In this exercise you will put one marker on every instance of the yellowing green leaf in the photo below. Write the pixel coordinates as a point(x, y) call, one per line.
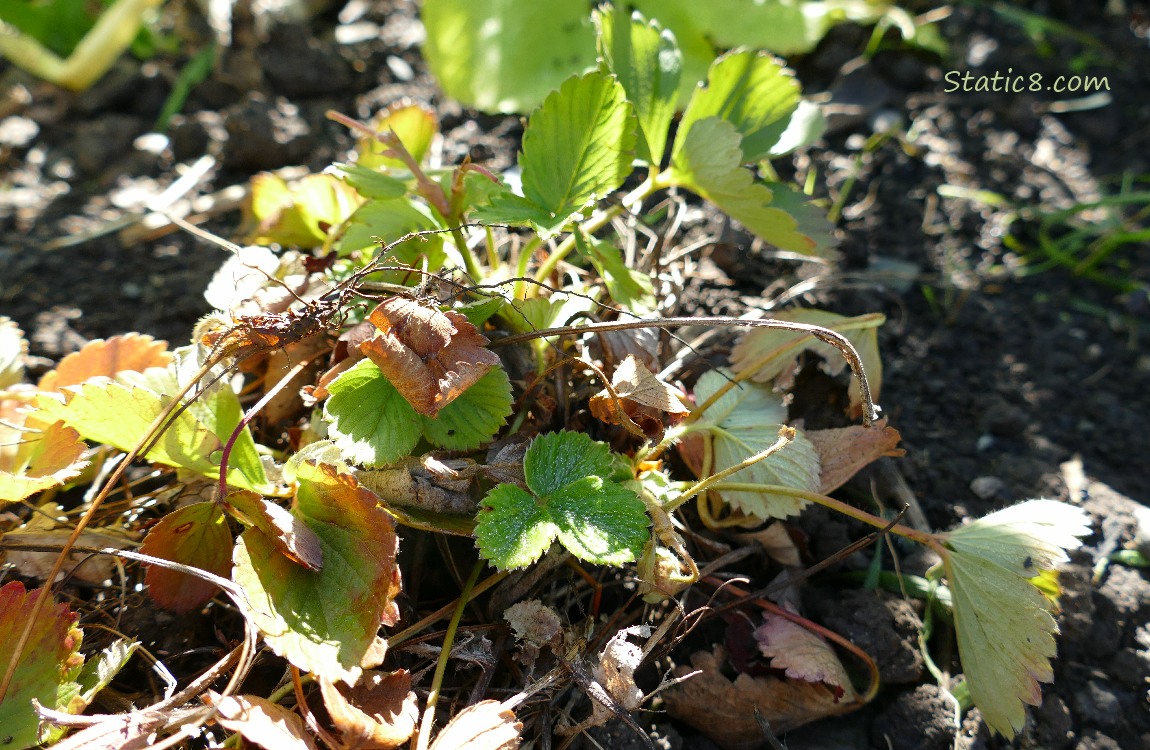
point(1003, 622)
point(708, 163)
point(646, 60)
point(298, 214)
point(745, 421)
point(570, 496)
point(505, 57)
point(415, 125)
point(48, 668)
point(43, 459)
point(770, 352)
point(325, 622)
point(753, 92)
point(13, 348)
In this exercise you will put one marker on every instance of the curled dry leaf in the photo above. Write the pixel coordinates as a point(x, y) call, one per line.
point(431, 357)
point(846, 450)
point(439, 486)
point(642, 399)
point(104, 358)
point(485, 726)
point(262, 722)
point(379, 713)
point(724, 709)
point(81, 567)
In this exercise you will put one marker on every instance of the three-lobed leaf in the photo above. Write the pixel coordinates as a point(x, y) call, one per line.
point(570, 495)
point(1003, 621)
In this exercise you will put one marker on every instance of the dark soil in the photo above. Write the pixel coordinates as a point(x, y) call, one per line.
point(997, 381)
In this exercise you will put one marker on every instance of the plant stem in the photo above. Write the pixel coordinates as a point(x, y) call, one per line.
point(786, 435)
point(444, 657)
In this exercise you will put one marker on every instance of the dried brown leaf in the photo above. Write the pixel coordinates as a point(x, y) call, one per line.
point(105, 358)
point(485, 726)
point(260, 721)
point(642, 398)
point(846, 450)
point(802, 654)
point(431, 357)
point(80, 566)
point(379, 713)
point(724, 710)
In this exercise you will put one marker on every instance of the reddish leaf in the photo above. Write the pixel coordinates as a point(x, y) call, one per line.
point(48, 667)
point(379, 713)
point(844, 451)
point(105, 358)
point(429, 356)
point(325, 622)
point(260, 721)
point(195, 535)
point(289, 533)
point(803, 655)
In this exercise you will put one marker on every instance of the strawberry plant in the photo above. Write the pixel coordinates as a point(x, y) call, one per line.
point(487, 374)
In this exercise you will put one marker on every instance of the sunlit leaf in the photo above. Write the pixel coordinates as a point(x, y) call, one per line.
point(101, 668)
point(43, 459)
point(743, 422)
point(373, 184)
point(196, 535)
point(48, 668)
point(802, 654)
point(297, 214)
point(629, 288)
point(414, 124)
point(708, 163)
point(502, 58)
point(325, 622)
point(571, 496)
point(771, 352)
point(646, 60)
point(843, 451)
point(475, 416)
point(105, 358)
point(1003, 622)
point(13, 348)
point(262, 722)
point(486, 725)
point(387, 221)
point(578, 147)
point(291, 535)
point(380, 712)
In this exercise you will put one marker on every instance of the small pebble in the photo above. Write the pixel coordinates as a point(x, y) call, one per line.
point(400, 68)
point(985, 442)
point(988, 488)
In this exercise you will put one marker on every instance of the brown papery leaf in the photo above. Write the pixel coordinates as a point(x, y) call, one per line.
point(260, 721)
point(803, 655)
point(485, 726)
point(100, 357)
point(431, 357)
point(642, 397)
point(846, 450)
point(379, 713)
point(724, 710)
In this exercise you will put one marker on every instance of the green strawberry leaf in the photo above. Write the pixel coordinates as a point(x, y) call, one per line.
point(414, 125)
point(48, 668)
point(743, 422)
point(1002, 619)
point(196, 535)
point(388, 220)
point(753, 92)
point(371, 183)
point(646, 60)
point(374, 425)
point(501, 58)
point(629, 288)
point(578, 147)
point(708, 163)
point(569, 496)
point(325, 622)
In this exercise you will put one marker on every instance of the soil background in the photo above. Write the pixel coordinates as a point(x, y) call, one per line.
point(997, 381)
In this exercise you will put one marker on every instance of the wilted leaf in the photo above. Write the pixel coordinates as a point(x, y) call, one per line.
point(572, 497)
point(485, 726)
point(430, 356)
point(48, 668)
point(196, 535)
point(289, 533)
point(325, 622)
point(240, 277)
point(13, 348)
point(643, 398)
point(578, 146)
point(845, 450)
point(1002, 620)
point(802, 654)
point(262, 722)
point(746, 421)
point(646, 60)
point(771, 352)
point(80, 567)
point(709, 161)
point(414, 124)
point(104, 358)
point(43, 459)
point(724, 710)
point(379, 713)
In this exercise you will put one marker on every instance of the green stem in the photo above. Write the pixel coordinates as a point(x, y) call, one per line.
point(444, 657)
point(469, 260)
point(786, 435)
